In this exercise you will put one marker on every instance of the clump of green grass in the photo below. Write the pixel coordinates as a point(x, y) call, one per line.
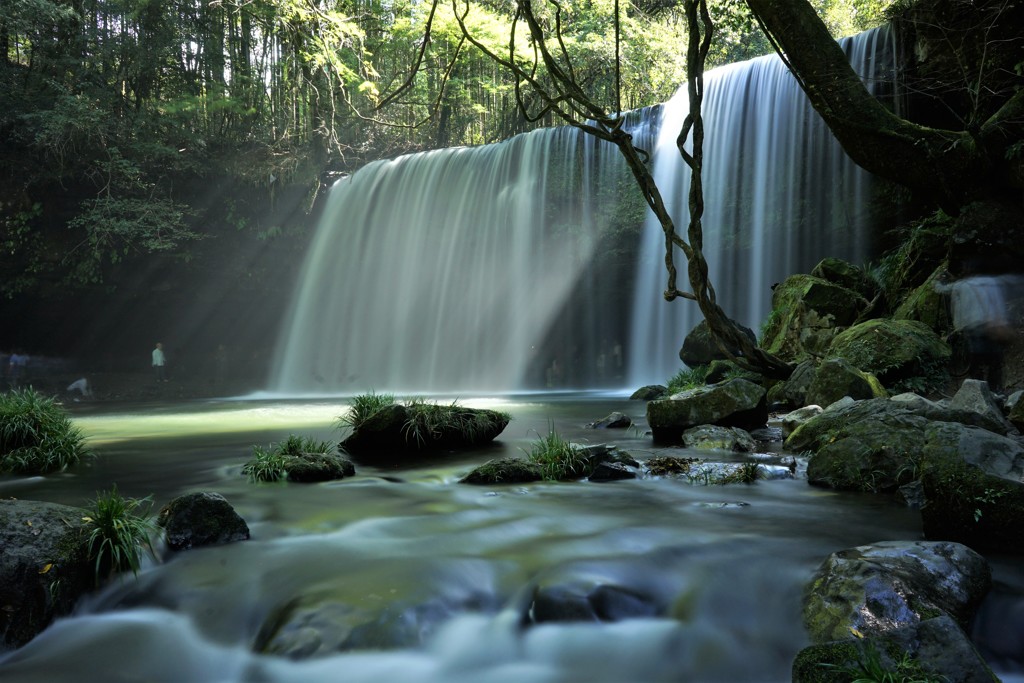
point(267, 464)
point(36, 434)
point(688, 378)
point(870, 669)
point(363, 407)
point(271, 463)
point(746, 473)
point(558, 459)
point(429, 422)
point(120, 532)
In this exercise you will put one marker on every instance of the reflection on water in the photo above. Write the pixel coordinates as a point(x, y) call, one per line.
point(408, 576)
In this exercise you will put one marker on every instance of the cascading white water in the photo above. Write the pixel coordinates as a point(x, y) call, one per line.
point(434, 272)
point(473, 270)
point(779, 195)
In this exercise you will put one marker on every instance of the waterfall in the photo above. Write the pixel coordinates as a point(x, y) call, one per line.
point(779, 194)
point(503, 267)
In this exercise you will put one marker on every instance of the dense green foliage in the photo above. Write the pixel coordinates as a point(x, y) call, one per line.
point(119, 532)
point(36, 434)
point(121, 107)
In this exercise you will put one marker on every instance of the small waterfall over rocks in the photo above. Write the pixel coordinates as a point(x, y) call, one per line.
point(527, 265)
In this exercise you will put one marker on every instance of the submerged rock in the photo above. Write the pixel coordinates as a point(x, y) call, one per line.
point(614, 420)
point(599, 603)
point(200, 519)
point(44, 566)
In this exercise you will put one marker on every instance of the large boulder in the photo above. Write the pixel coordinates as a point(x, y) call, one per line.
point(895, 351)
point(701, 348)
point(934, 649)
point(836, 378)
point(807, 312)
point(879, 587)
point(974, 396)
point(734, 403)
point(200, 519)
point(44, 566)
point(880, 445)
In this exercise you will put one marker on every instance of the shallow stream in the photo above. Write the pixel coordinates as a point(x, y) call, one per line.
point(406, 576)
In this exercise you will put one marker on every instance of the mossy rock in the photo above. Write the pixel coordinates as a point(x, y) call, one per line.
point(927, 305)
point(966, 505)
point(879, 445)
point(734, 403)
point(836, 378)
point(44, 566)
point(895, 351)
point(504, 471)
point(882, 586)
point(845, 274)
point(315, 467)
point(806, 312)
point(936, 649)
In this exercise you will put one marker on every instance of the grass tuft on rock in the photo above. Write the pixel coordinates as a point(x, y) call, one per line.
point(271, 463)
point(36, 435)
point(558, 459)
point(363, 407)
point(120, 532)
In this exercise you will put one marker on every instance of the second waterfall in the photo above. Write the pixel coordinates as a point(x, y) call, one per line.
point(513, 266)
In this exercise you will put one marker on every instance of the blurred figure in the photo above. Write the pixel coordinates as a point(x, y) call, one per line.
point(978, 305)
point(159, 363)
point(17, 367)
point(81, 385)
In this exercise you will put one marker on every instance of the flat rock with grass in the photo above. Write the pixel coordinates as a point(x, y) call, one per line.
point(504, 471)
point(395, 428)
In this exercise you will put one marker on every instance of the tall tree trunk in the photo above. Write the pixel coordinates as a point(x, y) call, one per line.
point(951, 167)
